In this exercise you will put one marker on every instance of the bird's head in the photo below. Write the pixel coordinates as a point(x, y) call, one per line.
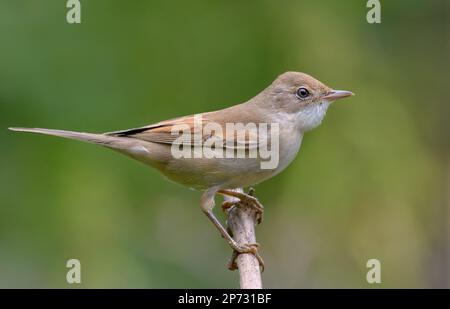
point(303, 98)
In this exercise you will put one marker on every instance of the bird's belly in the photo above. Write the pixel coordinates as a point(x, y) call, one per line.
point(201, 173)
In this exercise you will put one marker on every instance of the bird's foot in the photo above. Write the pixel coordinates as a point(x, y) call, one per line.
point(241, 249)
point(252, 202)
point(227, 205)
point(245, 198)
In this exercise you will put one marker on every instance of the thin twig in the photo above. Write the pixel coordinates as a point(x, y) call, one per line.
point(241, 222)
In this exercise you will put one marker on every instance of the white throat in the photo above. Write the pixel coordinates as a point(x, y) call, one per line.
point(311, 116)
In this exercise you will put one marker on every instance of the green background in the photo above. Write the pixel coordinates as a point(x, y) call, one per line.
point(373, 181)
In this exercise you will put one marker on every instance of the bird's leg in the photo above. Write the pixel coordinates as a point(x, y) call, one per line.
point(227, 207)
point(207, 204)
point(247, 199)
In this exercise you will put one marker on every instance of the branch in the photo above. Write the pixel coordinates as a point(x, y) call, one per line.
point(241, 222)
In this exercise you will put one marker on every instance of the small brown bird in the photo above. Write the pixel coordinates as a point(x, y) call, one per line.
point(293, 104)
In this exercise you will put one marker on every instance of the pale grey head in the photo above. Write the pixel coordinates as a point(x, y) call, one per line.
point(301, 98)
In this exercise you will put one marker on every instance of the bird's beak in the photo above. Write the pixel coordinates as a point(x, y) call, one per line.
point(334, 95)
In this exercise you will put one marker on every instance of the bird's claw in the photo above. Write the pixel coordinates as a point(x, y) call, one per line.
point(247, 248)
point(251, 191)
point(250, 201)
point(227, 205)
point(253, 202)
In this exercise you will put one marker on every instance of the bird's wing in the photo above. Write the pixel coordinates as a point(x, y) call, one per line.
point(174, 131)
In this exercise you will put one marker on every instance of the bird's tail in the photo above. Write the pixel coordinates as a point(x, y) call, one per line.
point(99, 139)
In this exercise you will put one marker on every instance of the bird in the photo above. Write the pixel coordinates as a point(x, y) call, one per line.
point(294, 103)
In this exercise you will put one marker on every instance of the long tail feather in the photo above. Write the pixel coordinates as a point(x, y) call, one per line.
point(108, 141)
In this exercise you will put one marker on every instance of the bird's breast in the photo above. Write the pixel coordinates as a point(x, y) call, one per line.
point(290, 142)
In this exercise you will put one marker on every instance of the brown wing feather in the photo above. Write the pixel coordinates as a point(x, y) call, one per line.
point(160, 132)
point(165, 132)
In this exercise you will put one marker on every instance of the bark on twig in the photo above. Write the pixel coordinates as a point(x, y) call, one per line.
point(241, 222)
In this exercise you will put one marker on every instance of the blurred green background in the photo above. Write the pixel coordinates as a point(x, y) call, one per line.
point(372, 182)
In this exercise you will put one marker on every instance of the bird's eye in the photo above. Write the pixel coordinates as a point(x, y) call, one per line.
point(302, 93)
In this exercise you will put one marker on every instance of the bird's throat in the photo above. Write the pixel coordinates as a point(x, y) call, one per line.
point(311, 116)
